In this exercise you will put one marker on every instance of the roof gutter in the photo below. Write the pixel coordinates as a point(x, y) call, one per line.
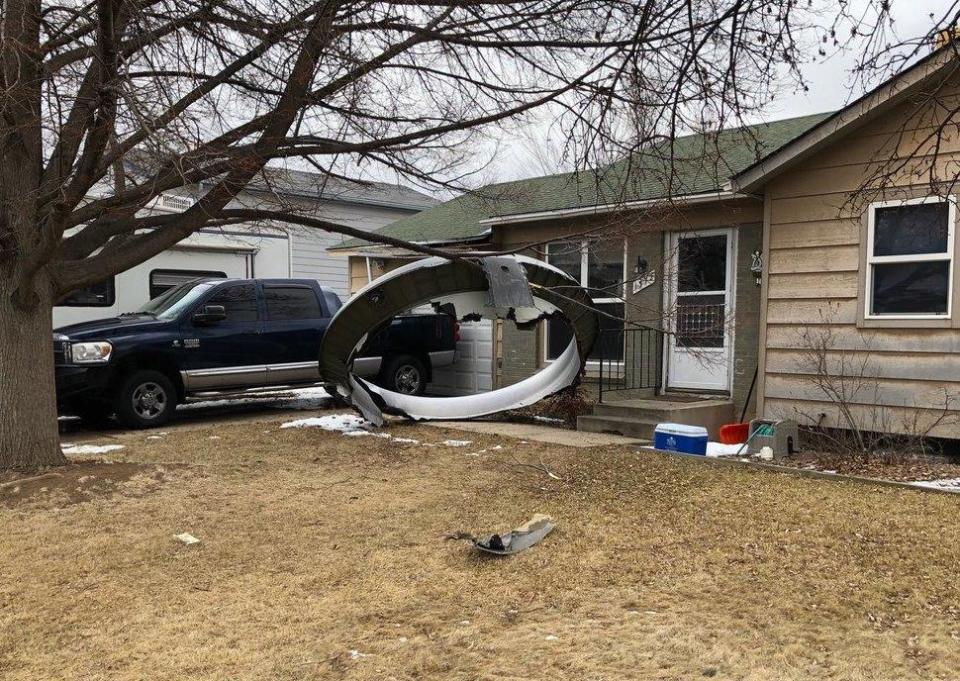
point(360, 249)
point(685, 200)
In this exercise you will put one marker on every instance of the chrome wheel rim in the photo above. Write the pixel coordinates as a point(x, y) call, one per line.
point(407, 379)
point(149, 400)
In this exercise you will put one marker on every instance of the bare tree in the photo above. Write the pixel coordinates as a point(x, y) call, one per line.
point(107, 105)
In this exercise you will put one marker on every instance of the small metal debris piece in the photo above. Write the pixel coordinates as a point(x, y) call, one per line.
point(514, 541)
point(186, 538)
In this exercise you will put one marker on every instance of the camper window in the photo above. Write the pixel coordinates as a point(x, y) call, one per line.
point(910, 259)
point(102, 294)
point(162, 281)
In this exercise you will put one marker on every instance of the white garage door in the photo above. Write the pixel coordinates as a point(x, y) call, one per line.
point(473, 370)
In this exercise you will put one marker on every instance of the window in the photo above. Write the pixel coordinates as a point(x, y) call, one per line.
point(701, 296)
point(599, 266)
point(910, 259)
point(162, 281)
point(103, 294)
point(286, 303)
point(239, 302)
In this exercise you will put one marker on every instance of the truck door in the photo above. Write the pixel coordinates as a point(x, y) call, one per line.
point(294, 325)
point(228, 353)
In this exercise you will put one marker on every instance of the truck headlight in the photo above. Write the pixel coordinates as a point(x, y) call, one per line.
point(97, 352)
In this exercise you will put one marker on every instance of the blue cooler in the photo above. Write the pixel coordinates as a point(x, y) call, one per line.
point(677, 437)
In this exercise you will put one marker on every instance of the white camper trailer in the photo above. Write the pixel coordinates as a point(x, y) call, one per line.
point(252, 250)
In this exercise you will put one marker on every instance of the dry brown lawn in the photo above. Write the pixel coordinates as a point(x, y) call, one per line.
point(322, 556)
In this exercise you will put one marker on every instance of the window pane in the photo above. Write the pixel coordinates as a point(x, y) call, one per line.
point(608, 346)
point(911, 229)
point(566, 256)
point(291, 302)
point(702, 263)
point(96, 295)
point(701, 321)
point(605, 268)
point(239, 302)
point(559, 334)
point(911, 288)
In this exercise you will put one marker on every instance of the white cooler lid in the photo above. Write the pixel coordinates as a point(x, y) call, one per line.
point(681, 429)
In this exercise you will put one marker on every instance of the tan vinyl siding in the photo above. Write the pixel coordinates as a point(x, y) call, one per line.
point(815, 258)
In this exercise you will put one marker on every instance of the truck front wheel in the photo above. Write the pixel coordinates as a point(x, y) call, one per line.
point(146, 399)
point(405, 374)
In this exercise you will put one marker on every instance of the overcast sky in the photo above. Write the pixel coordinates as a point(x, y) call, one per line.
point(830, 84)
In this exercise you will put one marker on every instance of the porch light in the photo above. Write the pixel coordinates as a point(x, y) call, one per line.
point(756, 264)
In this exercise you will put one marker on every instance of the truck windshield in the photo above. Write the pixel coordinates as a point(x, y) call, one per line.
point(169, 304)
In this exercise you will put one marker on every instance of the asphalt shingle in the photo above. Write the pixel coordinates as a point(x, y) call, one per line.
point(695, 164)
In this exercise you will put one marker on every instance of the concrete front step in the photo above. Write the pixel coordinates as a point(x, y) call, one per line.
point(638, 418)
point(618, 425)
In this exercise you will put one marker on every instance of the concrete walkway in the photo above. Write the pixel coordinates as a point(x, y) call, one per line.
point(534, 433)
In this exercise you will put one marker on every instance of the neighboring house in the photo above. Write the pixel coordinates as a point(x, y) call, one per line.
point(274, 250)
point(852, 321)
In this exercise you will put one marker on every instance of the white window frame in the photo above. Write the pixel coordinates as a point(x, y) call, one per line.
point(592, 364)
point(872, 259)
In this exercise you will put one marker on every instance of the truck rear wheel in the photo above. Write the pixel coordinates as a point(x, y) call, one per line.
point(405, 374)
point(146, 399)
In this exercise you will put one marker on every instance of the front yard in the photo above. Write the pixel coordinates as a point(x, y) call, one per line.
point(323, 556)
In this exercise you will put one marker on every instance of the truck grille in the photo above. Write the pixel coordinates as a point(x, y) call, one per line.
point(61, 350)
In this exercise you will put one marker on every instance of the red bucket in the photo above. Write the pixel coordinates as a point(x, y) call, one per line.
point(734, 433)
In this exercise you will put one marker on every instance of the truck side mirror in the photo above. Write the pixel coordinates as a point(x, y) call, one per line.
point(211, 314)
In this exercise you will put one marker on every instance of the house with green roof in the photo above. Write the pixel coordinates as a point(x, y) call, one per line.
point(803, 268)
point(619, 231)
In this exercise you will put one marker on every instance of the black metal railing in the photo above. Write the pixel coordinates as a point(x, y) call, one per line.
point(628, 359)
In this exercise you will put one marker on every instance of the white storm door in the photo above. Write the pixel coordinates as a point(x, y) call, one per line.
point(700, 299)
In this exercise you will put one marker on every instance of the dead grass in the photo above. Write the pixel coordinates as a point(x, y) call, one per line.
point(315, 545)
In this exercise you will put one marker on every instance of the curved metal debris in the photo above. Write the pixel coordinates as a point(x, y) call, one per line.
point(480, 288)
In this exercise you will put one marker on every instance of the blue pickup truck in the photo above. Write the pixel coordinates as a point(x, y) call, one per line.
point(216, 335)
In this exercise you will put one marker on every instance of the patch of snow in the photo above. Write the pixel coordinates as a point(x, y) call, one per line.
point(948, 484)
point(457, 443)
point(350, 425)
point(497, 447)
point(154, 437)
point(718, 449)
point(342, 423)
point(357, 655)
point(81, 450)
point(548, 419)
point(362, 433)
point(214, 437)
point(551, 637)
point(406, 440)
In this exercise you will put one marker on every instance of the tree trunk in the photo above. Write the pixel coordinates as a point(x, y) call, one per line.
point(29, 437)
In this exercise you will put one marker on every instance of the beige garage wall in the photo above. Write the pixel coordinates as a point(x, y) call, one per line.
point(896, 373)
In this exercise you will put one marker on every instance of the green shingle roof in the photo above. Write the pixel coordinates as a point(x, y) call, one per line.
point(696, 164)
